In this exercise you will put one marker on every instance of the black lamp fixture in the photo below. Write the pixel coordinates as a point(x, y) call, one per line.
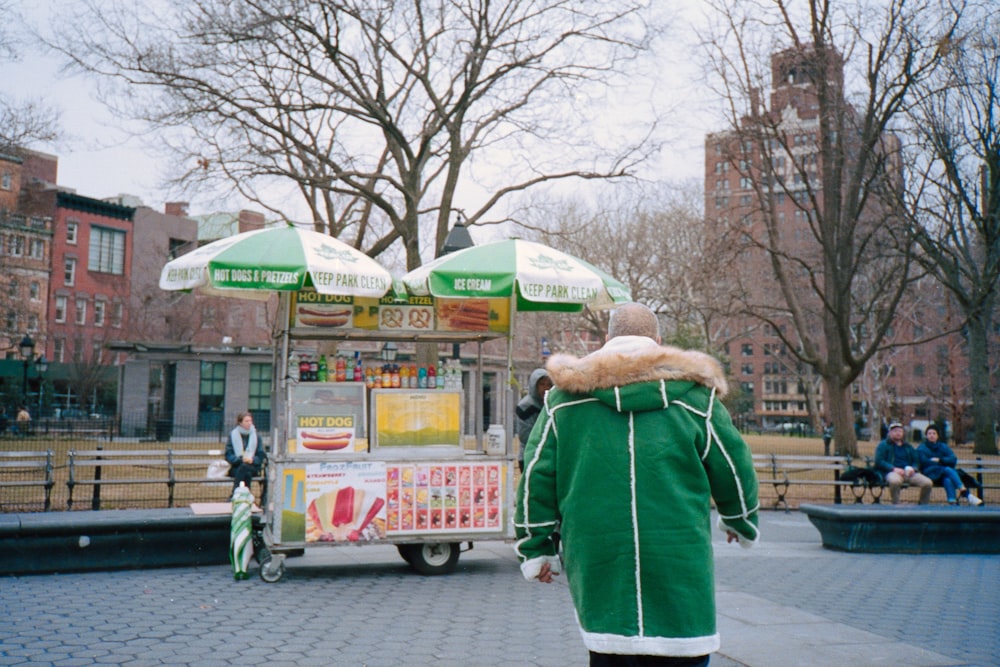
point(27, 349)
point(389, 351)
point(458, 238)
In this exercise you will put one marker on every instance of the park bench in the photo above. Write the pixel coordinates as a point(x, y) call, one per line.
point(26, 470)
point(986, 474)
point(784, 470)
point(169, 467)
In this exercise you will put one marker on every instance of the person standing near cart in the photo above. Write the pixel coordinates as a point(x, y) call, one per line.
point(244, 451)
point(630, 447)
point(528, 408)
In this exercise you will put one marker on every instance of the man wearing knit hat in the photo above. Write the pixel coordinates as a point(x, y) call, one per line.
point(898, 462)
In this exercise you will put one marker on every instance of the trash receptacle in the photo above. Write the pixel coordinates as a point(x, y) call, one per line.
point(164, 427)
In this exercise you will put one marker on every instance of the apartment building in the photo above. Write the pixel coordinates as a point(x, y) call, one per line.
point(766, 185)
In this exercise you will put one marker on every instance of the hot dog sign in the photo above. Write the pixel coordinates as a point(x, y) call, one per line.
point(324, 433)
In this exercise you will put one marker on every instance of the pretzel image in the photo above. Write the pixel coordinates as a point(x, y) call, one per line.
point(392, 318)
point(419, 319)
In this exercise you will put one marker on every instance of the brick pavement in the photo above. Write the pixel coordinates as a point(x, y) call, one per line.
point(786, 602)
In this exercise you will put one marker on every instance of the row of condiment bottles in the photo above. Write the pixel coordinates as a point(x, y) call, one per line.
point(447, 374)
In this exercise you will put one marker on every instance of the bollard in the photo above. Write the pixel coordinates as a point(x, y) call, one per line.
point(95, 498)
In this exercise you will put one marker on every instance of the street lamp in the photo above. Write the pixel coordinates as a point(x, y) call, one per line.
point(27, 348)
point(457, 239)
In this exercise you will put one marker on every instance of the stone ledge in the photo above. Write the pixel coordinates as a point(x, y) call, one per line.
point(916, 529)
point(111, 539)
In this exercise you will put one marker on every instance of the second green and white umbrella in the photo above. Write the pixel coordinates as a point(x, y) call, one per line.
point(542, 277)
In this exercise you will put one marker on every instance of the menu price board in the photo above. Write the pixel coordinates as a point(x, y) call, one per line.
point(444, 497)
point(311, 310)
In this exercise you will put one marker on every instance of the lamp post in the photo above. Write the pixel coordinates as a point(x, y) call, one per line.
point(458, 238)
point(41, 366)
point(27, 349)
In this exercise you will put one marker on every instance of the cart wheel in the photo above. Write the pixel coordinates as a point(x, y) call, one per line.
point(272, 568)
point(434, 557)
point(406, 551)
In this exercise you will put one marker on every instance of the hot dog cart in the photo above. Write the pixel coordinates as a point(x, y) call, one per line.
point(357, 461)
point(354, 462)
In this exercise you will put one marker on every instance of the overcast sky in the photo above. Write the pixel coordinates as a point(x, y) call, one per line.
point(98, 159)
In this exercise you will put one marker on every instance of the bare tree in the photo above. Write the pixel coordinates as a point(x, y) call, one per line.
point(374, 110)
point(840, 76)
point(958, 216)
point(23, 122)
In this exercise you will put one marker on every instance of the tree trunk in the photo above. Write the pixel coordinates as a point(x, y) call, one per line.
point(844, 439)
point(979, 372)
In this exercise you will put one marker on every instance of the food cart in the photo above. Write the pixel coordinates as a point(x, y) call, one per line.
point(355, 461)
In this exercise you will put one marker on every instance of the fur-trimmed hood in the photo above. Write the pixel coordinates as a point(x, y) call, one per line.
point(629, 360)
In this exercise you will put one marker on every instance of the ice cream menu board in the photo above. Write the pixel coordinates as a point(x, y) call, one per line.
point(443, 497)
point(345, 501)
point(327, 417)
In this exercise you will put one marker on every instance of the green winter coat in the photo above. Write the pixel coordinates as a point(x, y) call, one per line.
point(624, 460)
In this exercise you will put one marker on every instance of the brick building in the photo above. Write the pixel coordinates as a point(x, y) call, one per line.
point(767, 184)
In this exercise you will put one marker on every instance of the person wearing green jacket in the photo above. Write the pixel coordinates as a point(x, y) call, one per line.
point(631, 447)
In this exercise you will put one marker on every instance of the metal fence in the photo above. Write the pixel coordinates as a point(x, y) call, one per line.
point(36, 475)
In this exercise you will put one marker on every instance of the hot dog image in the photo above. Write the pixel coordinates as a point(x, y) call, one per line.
point(320, 315)
point(466, 315)
point(325, 442)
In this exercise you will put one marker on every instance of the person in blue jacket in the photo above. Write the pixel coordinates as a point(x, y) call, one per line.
point(898, 462)
point(937, 462)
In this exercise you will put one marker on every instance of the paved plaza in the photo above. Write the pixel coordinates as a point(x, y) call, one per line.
point(788, 601)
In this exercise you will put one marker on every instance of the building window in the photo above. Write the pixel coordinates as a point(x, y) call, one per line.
point(99, 310)
point(60, 309)
point(37, 249)
point(212, 389)
point(69, 272)
point(71, 229)
point(6, 181)
point(747, 369)
point(259, 402)
point(12, 320)
point(36, 291)
point(747, 349)
point(117, 310)
point(32, 322)
point(58, 350)
point(176, 246)
point(107, 251)
point(12, 288)
point(81, 310)
point(77, 350)
point(16, 245)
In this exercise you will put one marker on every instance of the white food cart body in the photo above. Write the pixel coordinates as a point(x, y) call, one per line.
point(352, 465)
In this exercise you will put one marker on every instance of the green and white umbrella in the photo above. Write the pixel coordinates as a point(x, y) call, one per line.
point(541, 277)
point(254, 264)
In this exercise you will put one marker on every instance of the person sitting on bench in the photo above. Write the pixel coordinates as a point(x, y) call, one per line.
point(937, 462)
point(897, 462)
